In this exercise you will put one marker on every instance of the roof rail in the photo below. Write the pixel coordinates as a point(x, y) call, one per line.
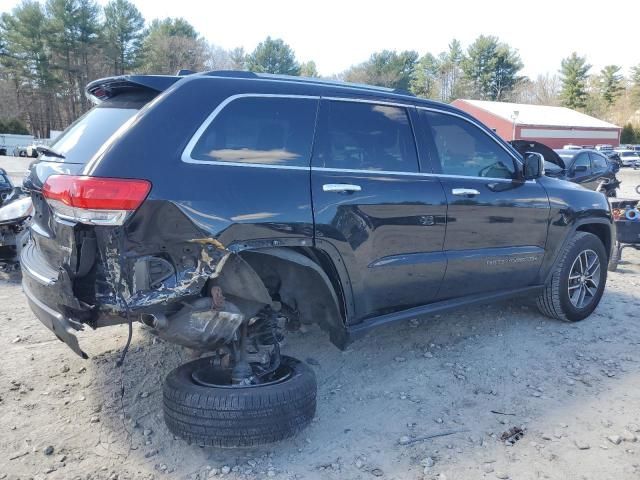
point(308, 80)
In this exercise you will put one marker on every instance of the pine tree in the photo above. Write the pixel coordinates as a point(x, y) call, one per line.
point(273, 56)
point(122, 35)
point(611, 83)
point(635, 86)
point(574, 74)
point(491, 68)
point(628, 134)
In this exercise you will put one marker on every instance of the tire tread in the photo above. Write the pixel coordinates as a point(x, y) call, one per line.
point(220, 417)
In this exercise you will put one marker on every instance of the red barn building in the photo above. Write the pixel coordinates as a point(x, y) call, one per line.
point(553, 126)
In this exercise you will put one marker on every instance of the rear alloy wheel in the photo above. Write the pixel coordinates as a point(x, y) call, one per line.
point(204, 406)
point(577, 282)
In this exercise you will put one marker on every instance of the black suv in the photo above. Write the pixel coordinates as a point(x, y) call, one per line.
point(222, 209)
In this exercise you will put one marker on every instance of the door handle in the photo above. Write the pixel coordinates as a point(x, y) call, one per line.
point(340, 187)
point(465, 191)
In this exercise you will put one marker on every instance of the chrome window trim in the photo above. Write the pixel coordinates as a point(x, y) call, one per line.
point(186, 154)
point(188, 150)
point(369, 100)
point(411, 174)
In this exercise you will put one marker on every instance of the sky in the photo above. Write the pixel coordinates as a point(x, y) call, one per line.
point(337, 34)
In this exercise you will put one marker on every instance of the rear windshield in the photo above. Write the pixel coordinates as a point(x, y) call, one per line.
point(82, 139)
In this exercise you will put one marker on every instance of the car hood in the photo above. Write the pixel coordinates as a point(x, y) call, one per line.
point(523, 146)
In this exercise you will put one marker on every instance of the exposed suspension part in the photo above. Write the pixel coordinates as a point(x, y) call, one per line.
point(256, 351)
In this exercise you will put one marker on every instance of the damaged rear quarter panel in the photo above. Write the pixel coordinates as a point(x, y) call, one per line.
point(195, 214)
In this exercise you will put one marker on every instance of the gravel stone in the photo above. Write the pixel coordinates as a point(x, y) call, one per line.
point(582, 445)
point(615, 439)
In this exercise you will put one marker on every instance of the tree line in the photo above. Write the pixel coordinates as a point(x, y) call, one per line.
point(50, 50)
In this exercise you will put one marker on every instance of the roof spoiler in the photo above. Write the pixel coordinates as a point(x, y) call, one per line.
point(105, 88)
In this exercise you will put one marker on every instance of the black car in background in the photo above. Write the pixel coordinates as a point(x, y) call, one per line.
point(613, 157)
point(6, 186)
point(223, 209)
point(590, 168)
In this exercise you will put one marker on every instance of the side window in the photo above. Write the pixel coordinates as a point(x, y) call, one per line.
point(261, 130)
point(582, 160)
point(598, 162)
point(365, 136)
point(464, 149)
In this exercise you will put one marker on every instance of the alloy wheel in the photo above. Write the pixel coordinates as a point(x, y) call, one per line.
point(584, 278)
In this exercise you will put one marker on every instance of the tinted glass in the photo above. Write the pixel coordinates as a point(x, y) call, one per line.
point(4, 181)
point(598, 162)
point(262, 130)
point(365, 136)
point(464, 149)
point(582, 160)
point(84, 137)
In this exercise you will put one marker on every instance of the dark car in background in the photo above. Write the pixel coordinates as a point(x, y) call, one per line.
point(589, 168)
point(613, 157)
point(6, 187)
point(222, 209)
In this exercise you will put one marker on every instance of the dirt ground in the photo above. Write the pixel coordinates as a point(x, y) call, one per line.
point(472, 374)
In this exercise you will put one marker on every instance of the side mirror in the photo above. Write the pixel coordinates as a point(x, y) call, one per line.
point(579, 169)
point(533, 165)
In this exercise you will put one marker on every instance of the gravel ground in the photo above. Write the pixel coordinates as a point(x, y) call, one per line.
point(472, 374)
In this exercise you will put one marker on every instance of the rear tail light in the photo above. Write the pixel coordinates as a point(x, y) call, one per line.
point(94, 200)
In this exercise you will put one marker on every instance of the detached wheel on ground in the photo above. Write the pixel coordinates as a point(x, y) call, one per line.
point(577, 283)
point(203, 407)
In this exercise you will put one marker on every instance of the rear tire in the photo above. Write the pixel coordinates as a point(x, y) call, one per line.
point(555, 300)
point(236, 416)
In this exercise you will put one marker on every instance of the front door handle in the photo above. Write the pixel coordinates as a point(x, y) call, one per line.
point(465, 192)
point(340, 187)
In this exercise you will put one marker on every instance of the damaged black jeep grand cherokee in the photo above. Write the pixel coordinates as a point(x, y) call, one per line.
point(221, 209)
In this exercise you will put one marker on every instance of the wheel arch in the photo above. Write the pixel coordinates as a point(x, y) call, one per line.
point(602, 231)
point(304, 279)
point(600, 227)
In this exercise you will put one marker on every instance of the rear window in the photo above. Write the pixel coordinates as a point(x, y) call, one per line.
point(85, 136)
point(260, 130)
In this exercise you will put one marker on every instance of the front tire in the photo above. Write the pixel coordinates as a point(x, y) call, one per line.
point(239, 416)
point(578, 280)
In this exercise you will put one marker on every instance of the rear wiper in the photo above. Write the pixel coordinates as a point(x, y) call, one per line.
point(48, 152)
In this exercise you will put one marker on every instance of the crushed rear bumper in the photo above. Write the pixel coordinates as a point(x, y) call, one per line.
point(42, 287)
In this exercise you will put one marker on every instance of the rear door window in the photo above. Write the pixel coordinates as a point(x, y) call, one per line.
point(260, 130)
point(465, 150)
point(365, 136)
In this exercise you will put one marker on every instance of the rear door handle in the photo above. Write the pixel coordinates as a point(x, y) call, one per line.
point(463, 192)
point(340, 187)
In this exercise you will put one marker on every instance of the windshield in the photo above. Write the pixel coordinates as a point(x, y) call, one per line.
point(628, 154)
point(4, 181)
